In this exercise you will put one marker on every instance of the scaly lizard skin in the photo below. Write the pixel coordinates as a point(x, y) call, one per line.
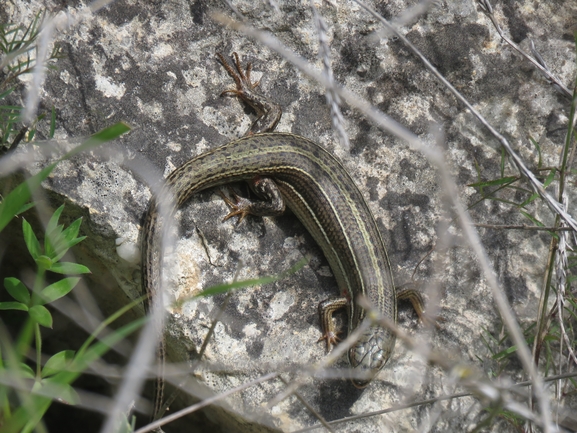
point(286, 169)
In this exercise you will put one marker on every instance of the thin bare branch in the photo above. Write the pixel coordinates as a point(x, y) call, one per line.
point(538, 61)
point(333, 100)
point(204, 403)
point(537, 186)
point(522, 227)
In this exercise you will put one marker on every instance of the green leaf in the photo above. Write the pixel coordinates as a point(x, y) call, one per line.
point(95, 351)
point(13, 306)
point(25, 207)
point(53, 222)
point(62, 392)
point(65, 246)
point(17, 290)
point(223, 288)
point(39, 405)
point(7, 92)
point(11, 108)
point(58, 362)
point(51, 237)
point(14, 201)
point(532, 218)
point(536, 144)
point(26, 371)
point(44, 262)
point(69, 268)
point(505, 353)
point(529, 200)
point(58, 241)
point(495, 182)
point(107, 134)
point(53, 233)
point(72, 230)
point(41, 315)
point(503, 160)
point(31, 240)
point(549, 179)
point(58, 289)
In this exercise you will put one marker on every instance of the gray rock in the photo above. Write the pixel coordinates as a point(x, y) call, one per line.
point(153, 66)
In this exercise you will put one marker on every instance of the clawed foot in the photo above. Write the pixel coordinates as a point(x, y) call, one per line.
point(332, 338)
point(239, 207)
point(240, 77)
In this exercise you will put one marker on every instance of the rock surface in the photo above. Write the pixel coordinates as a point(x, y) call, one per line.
point(153, 66)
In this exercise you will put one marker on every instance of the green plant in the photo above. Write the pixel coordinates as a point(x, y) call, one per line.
point(29, 384)
point(552, 334)
point(37, 388)
point(57, 241)
point(16, 201)
point(18, 46)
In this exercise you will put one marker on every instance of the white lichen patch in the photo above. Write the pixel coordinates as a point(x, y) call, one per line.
point(66, 77)
point(412, 107)
point(174, 146)
point(502, 114)
point(162, 51)
point(286, 121)
point(229, 127)
point(184, 277)
point(151, 109)
point(108, 87)
point(225, 344)
point(118, 40)
point(194, 77)
point(480, 68)
point(202, 146)
point(291, 243)
point(244, 298)
point(168, 167)
point(251, 331)
point(281, 303)
point(283, 342)
point(243, 244)
point(190, 101)
point(100, 182)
